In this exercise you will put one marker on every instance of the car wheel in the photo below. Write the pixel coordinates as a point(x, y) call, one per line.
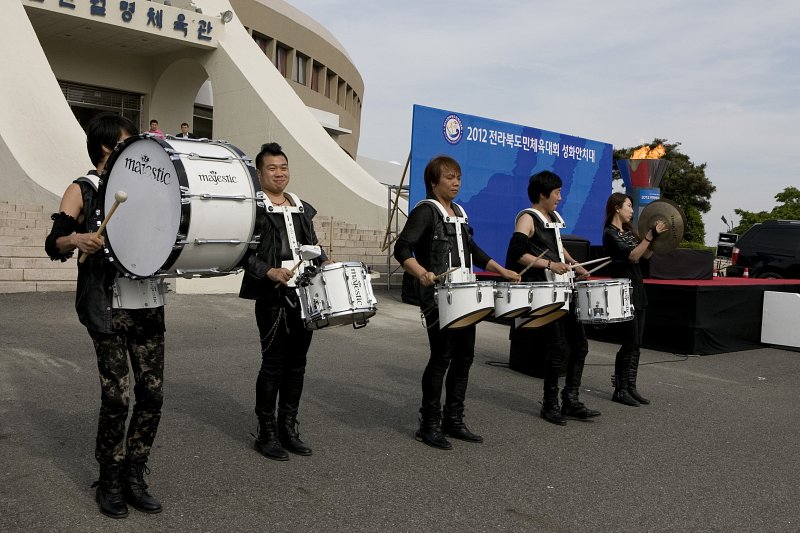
point(769, 275)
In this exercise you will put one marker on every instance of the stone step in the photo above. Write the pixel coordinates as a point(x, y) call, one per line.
point(44, 223)
point(36, 262)
point(22, 251)
point(36, 286)
point(7, 207)
point(21, 240)
point(33, 233)
point(48, 274)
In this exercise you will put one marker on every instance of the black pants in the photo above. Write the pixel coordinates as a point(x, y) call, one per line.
point(284, 345)
point(138, 334)
point(629, 351)
point(452, 351)
point(566, 340)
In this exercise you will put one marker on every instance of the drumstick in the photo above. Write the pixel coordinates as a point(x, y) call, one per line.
point(119, 198)
point(576, 265)
point(599, 267)
point(295, 267)
point(521, 272)
point(444, 274)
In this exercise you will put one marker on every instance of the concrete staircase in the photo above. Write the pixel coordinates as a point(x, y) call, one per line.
point(24, 267)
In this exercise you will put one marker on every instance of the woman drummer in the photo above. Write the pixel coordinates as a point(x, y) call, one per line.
point(427, 247)
point(625, 248)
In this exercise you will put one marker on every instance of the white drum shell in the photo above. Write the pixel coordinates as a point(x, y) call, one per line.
point(464, 304)
point(137, 293)
point(191, 206)
point(603, 301)
point(339, 294)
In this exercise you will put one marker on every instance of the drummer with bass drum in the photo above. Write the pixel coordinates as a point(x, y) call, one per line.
point(537, 230)
point(428, 247)
point(271, 273)
point(125, 319)
point(623, 244)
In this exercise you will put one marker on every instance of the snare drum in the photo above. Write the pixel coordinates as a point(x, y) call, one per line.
point(464, 304)
point(191, 208)
point(603, 301)
point(337, 295)
point(514, 300)
point(532, 321)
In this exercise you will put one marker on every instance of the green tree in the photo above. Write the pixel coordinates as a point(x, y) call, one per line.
point(789, 209)
point(685, 183)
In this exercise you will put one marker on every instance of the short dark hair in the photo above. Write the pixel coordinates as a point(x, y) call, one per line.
point(184, 124)
point(543, 182)
point(434, 170)
point(104, 129)
point(153, 120)
point(273, 149)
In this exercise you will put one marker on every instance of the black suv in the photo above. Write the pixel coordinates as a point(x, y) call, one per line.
point(770, 249)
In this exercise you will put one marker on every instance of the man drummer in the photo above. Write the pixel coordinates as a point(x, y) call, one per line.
point(271, 272)
point(427, 247)
point(536, 230)
point(119, 329)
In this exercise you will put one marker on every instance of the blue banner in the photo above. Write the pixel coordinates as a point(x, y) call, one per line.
point(497, 159)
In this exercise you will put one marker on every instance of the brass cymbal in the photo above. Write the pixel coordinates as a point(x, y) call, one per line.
point(669, 212)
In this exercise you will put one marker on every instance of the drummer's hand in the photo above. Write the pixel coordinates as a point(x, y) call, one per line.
point(87, 242)
point(428, 279)
point(510, 275)
point(559, 268)
point(280, 275)
point(581, 273)
point(660, 228)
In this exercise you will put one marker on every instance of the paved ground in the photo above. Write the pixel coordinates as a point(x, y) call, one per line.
point(716, 451)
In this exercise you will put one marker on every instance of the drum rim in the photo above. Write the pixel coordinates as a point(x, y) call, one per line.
point(461, 317)
point(183, 223)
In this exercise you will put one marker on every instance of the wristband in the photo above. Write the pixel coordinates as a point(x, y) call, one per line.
point(648, 240)
point(548, 265)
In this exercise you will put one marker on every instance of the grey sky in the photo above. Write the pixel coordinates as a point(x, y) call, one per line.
point(721, 78)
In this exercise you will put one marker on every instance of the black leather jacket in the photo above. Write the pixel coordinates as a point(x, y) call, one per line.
point(267, 255)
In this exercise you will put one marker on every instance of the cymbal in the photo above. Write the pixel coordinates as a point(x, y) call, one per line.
point(669, 212)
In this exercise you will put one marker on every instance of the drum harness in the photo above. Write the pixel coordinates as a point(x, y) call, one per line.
point(287, 211)
point(462, 274)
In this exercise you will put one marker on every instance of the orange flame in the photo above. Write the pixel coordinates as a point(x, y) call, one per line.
point(645, 152)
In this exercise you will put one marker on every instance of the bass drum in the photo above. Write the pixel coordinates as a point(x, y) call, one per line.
point(191, 210)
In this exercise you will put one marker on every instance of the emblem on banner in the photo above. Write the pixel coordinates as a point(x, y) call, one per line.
point(453, 129)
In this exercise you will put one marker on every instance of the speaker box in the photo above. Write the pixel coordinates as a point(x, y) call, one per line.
point(577, 246)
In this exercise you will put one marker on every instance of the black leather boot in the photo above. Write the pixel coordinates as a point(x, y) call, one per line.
point(267, 440)
point(453, 426)
point(430, 432)
point(571, 407)
point(109, 492)
point(550, 411)
point(289, 436)
point(134, 489)
point(632, 373)
point(621, 394)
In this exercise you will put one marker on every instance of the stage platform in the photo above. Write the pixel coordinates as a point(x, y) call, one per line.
point(703, 317)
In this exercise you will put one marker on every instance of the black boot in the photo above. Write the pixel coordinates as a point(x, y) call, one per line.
point(109, 492)
point(430, 432)
point(289, 436)
point(550, 411)
point(134, 489)
point(453, 426)
point(267, 440)
point(621, 394)
point(573, 408)
point(632, 373)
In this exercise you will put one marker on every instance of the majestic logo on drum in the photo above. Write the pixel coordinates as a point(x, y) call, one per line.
point(143, 168)
point(453, 129)
point(357, 288)
point(215, 178)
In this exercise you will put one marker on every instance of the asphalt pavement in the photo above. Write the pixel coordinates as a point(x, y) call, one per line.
point(716, 450)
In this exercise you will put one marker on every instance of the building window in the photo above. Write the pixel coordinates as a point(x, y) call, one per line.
point(262, 41)
point(281, 55)
point(330, 86)
point(317, 71)
point(299, 73)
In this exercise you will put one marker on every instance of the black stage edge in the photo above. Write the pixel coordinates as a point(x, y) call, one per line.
point(702, 317)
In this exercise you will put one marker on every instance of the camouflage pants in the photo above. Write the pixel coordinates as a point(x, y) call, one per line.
point(138, 333)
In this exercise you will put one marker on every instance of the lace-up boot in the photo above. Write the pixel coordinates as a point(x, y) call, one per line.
point(453, 426)
point(109, 492)
point(267, 440)
point(289, 435)
point(430, 432)
point(134, 489)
